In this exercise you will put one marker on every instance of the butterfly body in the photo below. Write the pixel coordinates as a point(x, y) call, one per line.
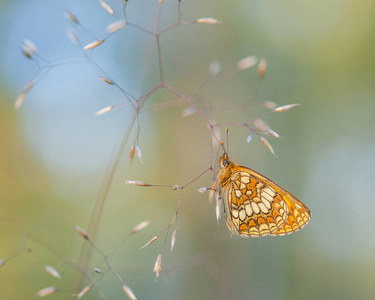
point(255, 205)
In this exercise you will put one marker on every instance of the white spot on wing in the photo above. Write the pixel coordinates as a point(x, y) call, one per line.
point(255, 207)
point(248, 209)
point(263, 227)
point(263, 208)
point(267, 196)
point(267, 203)
point(245, 177)
point(270, 191)
point(242, 214)
point(235, 213)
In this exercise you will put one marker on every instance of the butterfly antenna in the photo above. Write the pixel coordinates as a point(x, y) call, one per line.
point(222, 145)
point(226, 132)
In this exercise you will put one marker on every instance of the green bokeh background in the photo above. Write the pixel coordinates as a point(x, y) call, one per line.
point(55, 152)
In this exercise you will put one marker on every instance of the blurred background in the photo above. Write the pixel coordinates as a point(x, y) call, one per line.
point(55, 153)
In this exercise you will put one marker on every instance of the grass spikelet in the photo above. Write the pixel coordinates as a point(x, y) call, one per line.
point(273, 133)
point(247, 63)
point(262, 68)
point(284, 108)
point(215, 67)
point(202, 190)
point(137, 183)
point(71, 17)
point(249, 138)
point(20, 99)
point(211, 195)
point(127, 290)
point(72, 36)
point(104, 110)
point(131, 155)
point(82, 233)
point(107, 8)
point(269, 104)
point(116, 26)
point(173, 239)
point(30, 47)
point(2, 262)
point(268, 145)
point(47, 291)
point(150, 241)
point(157, 267)
point(84, 291)
point(139, 152)
point(189, 111)
point(140, 226)
point(206, 21)
point(261, 125)
point(106, 80)
point(26, 53)
point(52, 271)
point(93, 44)
point(218, 209)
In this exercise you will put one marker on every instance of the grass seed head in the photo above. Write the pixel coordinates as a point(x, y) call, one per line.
point(47, 291)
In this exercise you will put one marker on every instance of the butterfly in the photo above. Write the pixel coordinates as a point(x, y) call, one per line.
point(255, 205)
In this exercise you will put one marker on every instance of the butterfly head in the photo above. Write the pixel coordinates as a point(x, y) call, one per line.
point(224, 161)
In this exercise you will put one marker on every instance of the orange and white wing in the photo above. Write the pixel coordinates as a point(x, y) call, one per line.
point(256, 206)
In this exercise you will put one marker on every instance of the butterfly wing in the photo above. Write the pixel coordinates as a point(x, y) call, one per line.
point(257, 206)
